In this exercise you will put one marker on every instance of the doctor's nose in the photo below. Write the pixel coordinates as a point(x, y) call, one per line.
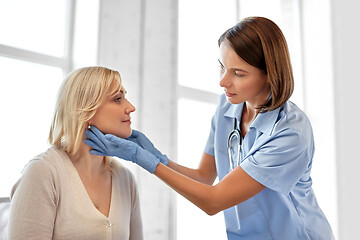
point(224, 80)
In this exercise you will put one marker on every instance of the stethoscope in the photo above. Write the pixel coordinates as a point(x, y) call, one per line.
point(234, 140)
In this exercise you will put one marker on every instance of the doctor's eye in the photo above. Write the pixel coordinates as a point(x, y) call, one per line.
point(239, 74)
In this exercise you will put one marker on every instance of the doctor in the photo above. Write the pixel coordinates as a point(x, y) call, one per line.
point(260, 145)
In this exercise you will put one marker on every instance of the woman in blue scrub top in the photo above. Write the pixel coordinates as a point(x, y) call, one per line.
point(260, 145)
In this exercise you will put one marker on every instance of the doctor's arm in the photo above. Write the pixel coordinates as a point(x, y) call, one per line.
point(212, 199)
point(205, 173)
point(279, 164)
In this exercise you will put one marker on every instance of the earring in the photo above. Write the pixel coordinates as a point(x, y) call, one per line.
point(89, 126)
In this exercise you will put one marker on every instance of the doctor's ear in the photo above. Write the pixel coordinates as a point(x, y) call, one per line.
point(267, 79)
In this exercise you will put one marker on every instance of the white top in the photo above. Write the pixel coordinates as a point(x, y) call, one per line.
point(50, 202)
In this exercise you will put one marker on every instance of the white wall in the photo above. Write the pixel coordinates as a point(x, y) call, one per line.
point(346, 52)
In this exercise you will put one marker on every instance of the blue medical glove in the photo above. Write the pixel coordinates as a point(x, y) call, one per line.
point(140, 139)
point(110, 145)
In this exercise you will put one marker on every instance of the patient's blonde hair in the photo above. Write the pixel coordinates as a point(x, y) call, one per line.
point(82, 92)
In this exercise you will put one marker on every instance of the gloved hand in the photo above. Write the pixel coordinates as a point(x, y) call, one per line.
point(140, 139)
point(110, 145)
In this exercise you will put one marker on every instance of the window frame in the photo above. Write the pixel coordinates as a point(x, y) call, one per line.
point(65, 62)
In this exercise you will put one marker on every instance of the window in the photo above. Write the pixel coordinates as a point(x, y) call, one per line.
point(36, 52)
point(199, 91)
point(38, 26)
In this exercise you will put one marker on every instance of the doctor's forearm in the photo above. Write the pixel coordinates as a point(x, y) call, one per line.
point(200, 194)
point(205, 172)
point(190, 172)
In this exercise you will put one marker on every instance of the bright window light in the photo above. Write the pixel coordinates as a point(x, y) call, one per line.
point(27, 100)
point(198, 35)
point(28, 90)
point(36, 25)
point(193, 223)
point(198, 69)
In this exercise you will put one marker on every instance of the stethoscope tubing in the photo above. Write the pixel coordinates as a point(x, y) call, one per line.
point(234, 133)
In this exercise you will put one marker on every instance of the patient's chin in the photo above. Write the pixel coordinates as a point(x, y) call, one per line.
point(119, 132)
point(123, 134)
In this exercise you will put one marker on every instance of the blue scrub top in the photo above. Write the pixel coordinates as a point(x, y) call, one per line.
point(277, 152)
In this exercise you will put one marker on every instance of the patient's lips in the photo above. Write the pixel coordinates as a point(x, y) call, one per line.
point(128, 120)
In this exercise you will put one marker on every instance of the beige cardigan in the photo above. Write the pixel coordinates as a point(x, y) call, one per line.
point(50, 202)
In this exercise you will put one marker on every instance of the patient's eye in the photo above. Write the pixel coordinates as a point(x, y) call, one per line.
point(118, 97)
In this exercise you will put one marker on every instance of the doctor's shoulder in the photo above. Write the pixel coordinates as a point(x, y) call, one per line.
point(292, 118)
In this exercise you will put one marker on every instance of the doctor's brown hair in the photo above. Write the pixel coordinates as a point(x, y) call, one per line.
point(260, 43)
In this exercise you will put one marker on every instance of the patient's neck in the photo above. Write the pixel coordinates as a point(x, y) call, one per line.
point(86, 162)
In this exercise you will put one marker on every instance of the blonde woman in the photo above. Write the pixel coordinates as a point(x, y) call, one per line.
point(68, 193)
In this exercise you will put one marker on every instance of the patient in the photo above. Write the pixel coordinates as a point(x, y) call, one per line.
point(68, 193)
